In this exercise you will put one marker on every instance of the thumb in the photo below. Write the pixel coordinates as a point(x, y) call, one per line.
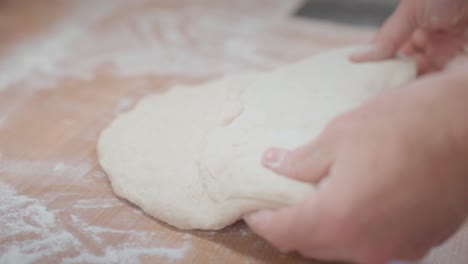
point(287, 227)
point(391, 37)
point(277, 227)
point(307, 163)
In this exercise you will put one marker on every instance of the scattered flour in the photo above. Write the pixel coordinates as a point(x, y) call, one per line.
point(27, 217)
point(155, 41)
point(3, 120)
point(129, 255)
point(32, 233)
point(39, 59)
point(59, 167)
point(97, 203)
point(46, 167)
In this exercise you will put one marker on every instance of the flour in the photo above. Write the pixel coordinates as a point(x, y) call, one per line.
point(2, 120)
point(27, 217)
point(59, 167)
point(32, 231)
point(40, 61)
point(45, 235)
point(129, 255)
point(155, 41)
point(87, 41)
point(97, 203)
point(46, 167)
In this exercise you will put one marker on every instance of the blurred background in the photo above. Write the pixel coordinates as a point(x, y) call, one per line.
point(355, 12)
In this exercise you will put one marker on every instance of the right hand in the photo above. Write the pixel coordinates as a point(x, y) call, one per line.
point(397, 178)
point(430, 31)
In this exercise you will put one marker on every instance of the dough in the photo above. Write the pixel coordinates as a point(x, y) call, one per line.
point(191, 156)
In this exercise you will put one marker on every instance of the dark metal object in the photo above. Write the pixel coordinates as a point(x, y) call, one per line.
point(356, 12)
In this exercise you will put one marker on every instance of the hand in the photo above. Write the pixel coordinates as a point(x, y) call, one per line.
point(393, 178)
point(430, 31)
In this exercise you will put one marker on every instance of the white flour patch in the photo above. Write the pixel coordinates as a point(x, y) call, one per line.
point(41, 168)
point(97, 203)
point(31, 232)
point(42, 234)
point(52, 196)
point(155, 41)
point(245, 232)
point(2, 120)
point(39, 62)
point(59, 167)
point(129, 255)
point(96, 231)
point(98, 175)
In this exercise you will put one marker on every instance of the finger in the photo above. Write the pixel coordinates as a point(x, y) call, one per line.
point(277, 227)
point(307, 163)
point(393, 34)
point(443, 48)
point(311, 228)
point(408, 49)
point(419, 41)
point(290, 227)
point(423, 63)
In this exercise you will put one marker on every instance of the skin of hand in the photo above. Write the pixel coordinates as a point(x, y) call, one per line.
point(430, 31)
point(392, 177)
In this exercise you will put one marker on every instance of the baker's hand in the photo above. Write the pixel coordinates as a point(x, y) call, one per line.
point(393, 178)
point(431, 31)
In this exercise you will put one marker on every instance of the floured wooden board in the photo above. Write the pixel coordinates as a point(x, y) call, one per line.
point(67, 68)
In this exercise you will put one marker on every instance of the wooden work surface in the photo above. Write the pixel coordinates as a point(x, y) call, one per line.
point(67, 68)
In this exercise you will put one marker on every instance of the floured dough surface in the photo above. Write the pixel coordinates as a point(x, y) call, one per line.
point(191, 156)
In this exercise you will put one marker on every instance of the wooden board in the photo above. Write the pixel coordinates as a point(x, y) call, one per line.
point(69, 67)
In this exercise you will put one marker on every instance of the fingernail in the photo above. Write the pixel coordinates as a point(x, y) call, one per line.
point(365, 50)
point(259, 217)
point(372, 52)
point(274, 157)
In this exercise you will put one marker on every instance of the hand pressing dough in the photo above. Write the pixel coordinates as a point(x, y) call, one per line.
point(191, 156)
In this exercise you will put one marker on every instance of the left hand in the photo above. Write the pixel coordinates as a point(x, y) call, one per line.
point(432, 32)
